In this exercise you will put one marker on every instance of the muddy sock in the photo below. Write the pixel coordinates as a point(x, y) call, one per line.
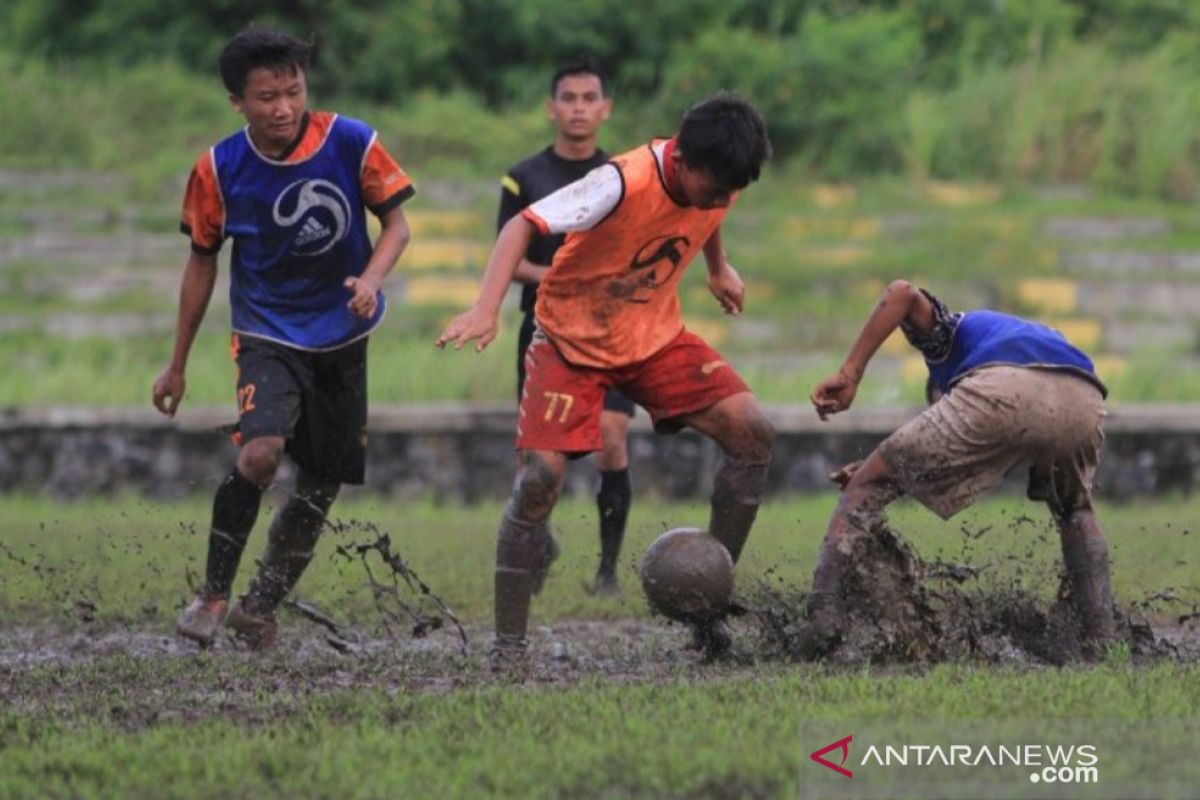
point(235, 509)
point(292, 539)
point(518, 547)
point(825, 609)
point(737, 492)
point(1086, 561)
point(613, 500)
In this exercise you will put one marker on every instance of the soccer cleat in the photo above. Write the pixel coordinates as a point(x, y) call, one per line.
point(606, 585)
point(812, 641)
point(509, 655)
point(256, 631)
point(200, 620)
point(548, 552)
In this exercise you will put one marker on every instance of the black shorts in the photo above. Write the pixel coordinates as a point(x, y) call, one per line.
point(315, 400)
point(614, 399)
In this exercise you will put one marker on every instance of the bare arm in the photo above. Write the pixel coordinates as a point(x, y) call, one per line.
point(199, 277)
point(480, 321)
point(714, 253)
point(529, 272)
point(900, 302)
point(723, 280)
point(392, 241)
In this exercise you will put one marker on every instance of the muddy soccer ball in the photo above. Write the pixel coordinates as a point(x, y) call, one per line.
point(687, 575)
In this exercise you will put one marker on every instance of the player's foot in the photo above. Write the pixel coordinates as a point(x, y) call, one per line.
point(712, 638)
point(548, 551)
point(509, 655)
point(812, 642)
point(257, 630)
point(200, 620)
point(606, 585)
point(822, 630)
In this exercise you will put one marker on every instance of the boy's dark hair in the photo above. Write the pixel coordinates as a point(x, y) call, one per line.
point(726, 135)
point(584, 65)
point(258, 47)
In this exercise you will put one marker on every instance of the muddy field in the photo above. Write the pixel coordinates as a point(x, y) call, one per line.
point(139, 676)
point(374, 674)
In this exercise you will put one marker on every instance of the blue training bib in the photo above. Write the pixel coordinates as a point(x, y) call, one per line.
point(299, 230)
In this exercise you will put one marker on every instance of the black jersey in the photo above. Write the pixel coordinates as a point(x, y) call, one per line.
point(530, 181)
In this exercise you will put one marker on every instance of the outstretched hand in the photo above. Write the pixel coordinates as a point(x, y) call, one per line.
point(727, 286)
point(365, 297)
point(834, 394)
point(474, 324)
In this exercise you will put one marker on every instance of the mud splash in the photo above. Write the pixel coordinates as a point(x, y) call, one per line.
point(903, 610)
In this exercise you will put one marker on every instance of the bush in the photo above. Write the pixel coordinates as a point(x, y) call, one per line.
point(1082, 114)
point(833, 93)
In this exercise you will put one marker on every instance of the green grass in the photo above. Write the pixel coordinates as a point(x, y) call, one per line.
point(805, 306)
point(221, 725)
point(734, 738)
point(129, 557)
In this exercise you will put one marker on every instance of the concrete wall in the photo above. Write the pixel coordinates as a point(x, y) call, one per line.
point(465, 453)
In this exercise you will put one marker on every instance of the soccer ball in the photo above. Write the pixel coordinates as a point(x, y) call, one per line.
point(687, 575)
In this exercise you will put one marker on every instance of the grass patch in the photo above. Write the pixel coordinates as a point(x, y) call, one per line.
point(227, 725)
point(129, 557)
point(737, 737)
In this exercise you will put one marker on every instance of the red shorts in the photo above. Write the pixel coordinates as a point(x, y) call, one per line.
point(561, 404)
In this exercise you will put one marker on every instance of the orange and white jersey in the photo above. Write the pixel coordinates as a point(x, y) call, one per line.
point(611, 296)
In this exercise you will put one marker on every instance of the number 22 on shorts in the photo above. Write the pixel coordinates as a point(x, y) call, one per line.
point(245, 398)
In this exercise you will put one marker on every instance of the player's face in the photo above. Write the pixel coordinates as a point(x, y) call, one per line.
point(699, 187)
point(273, 104)
point(579, 106)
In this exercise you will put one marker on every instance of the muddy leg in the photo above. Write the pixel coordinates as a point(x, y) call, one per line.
point(866, 493)
point(1085, 558)
point(292, 538)
point(524, 546)
point(235, 509)
point(745, 436)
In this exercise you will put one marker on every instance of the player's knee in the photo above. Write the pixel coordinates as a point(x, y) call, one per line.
point(756, 434)
point(615, 451)
point(535, 491)
point(259, 460)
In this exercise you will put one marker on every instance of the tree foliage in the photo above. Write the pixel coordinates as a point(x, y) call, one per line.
point(834, 77)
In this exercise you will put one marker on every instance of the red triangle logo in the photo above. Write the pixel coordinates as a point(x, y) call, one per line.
point(840, 744)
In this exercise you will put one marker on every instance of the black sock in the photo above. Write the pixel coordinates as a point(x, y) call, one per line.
point(235, 509)
point(290, 544)
point(613, 500)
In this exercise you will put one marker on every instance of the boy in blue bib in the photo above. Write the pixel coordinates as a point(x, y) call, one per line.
point(290, 190)
point(1009, 391)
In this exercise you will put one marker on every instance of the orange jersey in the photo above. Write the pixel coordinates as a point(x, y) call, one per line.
point(611, 296)
point(384, 184)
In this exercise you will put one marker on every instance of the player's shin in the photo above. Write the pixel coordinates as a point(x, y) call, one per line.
point(290, 546)
point(612, 502)
point(825, 610)
point(235, 510)
point(1085, 558)
point(521, 556)
point(737, 493)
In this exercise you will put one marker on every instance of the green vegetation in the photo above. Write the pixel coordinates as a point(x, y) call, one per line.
point(124, 555)
point(1101, 91)
point(707, 739)
point(224, 724)
point(815, 258)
